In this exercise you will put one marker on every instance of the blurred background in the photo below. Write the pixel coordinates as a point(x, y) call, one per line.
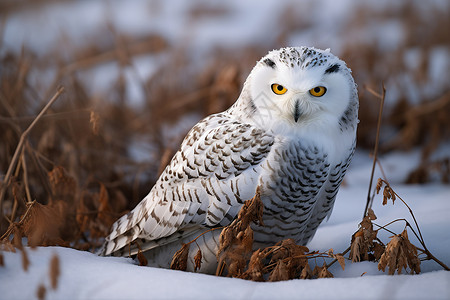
point(139, 74)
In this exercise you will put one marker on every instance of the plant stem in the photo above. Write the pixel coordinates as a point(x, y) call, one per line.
point(375, 152)
point(431, 256)
point(335, 260)
point(19, 147)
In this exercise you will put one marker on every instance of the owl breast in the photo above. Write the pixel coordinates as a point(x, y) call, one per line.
point(299, 185)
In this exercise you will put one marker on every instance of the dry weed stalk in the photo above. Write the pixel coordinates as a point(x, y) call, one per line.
point(19, 148)
point(389, 193)
point(377, 139)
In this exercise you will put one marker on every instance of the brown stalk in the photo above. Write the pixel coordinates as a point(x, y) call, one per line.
point(375, 152)
point(16, 204)
point(431, 256)
point(335, 260)
point(36, 159)
point(19, 148)
point(381, 169)
point(73, 114)
point(25, 176)
point(212, 229)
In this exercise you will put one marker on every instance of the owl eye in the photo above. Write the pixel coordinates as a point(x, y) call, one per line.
point(278, 89)
point(318, 91)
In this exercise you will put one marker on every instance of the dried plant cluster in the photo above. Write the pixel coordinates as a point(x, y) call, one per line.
point(397, 254)
point(71, 168)
point(238, 258)
point(66, 217)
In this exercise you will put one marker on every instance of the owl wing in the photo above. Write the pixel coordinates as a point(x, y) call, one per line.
point(204, 185)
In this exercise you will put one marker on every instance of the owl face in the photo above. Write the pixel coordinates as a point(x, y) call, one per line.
point(298, 86)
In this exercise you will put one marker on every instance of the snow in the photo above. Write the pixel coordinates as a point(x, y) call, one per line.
point(87, 276)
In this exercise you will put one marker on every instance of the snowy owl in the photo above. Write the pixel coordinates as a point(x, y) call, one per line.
point(291, 133)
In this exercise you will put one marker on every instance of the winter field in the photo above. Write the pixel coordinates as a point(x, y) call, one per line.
point(86, 276)
point(137, 75)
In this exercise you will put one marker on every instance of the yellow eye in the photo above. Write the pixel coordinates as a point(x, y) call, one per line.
point(278, 89)
point(318, 91)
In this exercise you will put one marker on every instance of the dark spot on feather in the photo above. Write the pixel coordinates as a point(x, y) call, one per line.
point(332, 69)
point(270, 63)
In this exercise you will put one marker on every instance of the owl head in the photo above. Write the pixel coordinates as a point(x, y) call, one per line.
point(297, 87)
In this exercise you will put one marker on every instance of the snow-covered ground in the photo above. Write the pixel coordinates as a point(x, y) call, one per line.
point(86, 276)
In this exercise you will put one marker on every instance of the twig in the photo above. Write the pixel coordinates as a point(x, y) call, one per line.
point(16, 204)
point(381, 169)
point(421, 240)
point(431, 256)
point(419, 237)
point(335, 260)
point(384, 227)
point(18, 151)
point(209, 230)
point(380, 114)
point(11, 112)
point(406, 225)
point(73, 114)
point(25, 176)
point(36, 159)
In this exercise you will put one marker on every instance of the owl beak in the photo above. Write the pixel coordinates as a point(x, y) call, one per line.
point(297, 112)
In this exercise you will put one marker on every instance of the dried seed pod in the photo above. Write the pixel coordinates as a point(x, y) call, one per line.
point(198, 260)
point(255, 267)
point(306, 272)
point(179, 260)
point(322, 272)
point(280, 272)
point(399, 254)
